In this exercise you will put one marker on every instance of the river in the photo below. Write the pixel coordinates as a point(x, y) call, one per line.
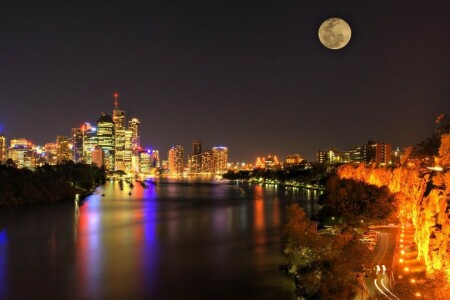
point(173, 240)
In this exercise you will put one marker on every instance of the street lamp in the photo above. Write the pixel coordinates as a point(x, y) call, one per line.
point(362, 284)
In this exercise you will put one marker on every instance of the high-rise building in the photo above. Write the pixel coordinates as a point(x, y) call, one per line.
point(128, 151)
point(98, 157)
point(207, 161)
point(63, 148)
point(89, 141)
point(2, 149)
point(135, 126)
point(220, 159)
point(51, 153)
point(196, 147)
point(119, 117)
point(22, 152)
point(195, 158)
point(77, 148)
point(379, 153)
point(105, 139)
point(176, 160)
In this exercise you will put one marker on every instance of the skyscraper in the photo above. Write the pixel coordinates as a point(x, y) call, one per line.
point(195, 159)
point(77, 148)
point(220, 160)
point(176, 157)
point(135, 126)
point(63, 148)
point(196, 147)
point(105, 139)
point(119, 120)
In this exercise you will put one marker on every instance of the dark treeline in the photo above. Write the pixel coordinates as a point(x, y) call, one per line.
point(348, 202)
point(314, 175)
point(47, 184)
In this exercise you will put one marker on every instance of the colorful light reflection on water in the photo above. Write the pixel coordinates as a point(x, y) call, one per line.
point(171, 240)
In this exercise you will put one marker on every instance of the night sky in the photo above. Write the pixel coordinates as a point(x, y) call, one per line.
point(250, 75)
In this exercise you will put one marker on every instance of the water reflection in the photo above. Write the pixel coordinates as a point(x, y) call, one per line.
point(215, 241)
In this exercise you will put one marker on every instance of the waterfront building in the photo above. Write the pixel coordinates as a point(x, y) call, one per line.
point(270, 163)
point(98, 157)
point(293, 160)
point(22, 152)
point(2, 149)
point(77, 148)
point(135, 126)
point(63, 148)
point(220, 160)
point(195, 158)
point(196, 147)
point(105, 139)
point(176, 160)
point(145, 162)
point(207, 162)
point(50, 153)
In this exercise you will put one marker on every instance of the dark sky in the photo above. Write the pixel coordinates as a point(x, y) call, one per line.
point(251, 75)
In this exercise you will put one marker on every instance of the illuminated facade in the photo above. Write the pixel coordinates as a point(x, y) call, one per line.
point(220, 160)
point(270, 163)
point(105, 139)
point(22, 152)
point(77, 140)
point(50, 153)
point(293, 160)
point(207, 162)
point(195, 158)
point(135, 126)
point(176, 160)
point(63, 148)
point(2, 149)
point(98, 157)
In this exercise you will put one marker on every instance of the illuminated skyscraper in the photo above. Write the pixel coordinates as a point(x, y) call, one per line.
point(51, 153)
point(119, 119)
point(207, 162)
point(195, 159)
point(22, 152)
point(128, 152)
point(135, 126)
point(98, 157)
point(176, 163)
point(220, 159)
point(77, 148)
point(63, 148)
point(196, 147)
point(2, 149)
point(105, 139)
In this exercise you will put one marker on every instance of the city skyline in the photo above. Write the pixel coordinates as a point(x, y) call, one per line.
point(250, 75)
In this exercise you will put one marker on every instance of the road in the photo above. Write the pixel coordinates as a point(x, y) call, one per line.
point(379, 282)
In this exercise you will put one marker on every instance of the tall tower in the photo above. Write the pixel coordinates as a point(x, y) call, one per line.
point(135, 126)
point(196, 147)
point(176, 157)
point(119, 120)
point(105, 139)
point(220, 159)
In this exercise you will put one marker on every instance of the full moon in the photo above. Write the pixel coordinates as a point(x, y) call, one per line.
point(334, 33)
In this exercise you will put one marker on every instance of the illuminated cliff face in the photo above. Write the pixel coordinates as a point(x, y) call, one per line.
point(426, 208)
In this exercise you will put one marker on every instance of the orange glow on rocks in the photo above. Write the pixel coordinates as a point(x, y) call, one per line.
point(421, 197)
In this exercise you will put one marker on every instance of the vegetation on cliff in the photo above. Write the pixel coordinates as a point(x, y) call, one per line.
point(47, 184)
point(323, 266)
